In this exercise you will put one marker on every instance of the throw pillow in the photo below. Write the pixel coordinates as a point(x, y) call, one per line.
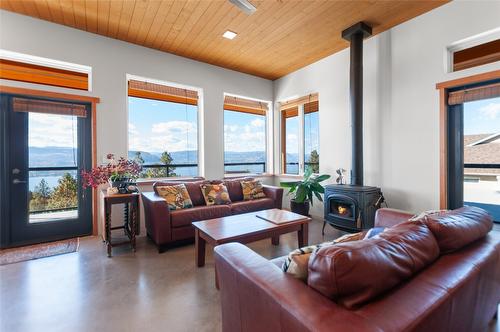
point(373, 232)
point(428, 213)
point(215, 194)
point(177, 196)
point(296, 263)
point(252, 190)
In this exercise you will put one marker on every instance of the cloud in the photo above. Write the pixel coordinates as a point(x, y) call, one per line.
point(165, 136)
point(490, 111)
point(258, 123)
point(52, 130)
point(239, 138)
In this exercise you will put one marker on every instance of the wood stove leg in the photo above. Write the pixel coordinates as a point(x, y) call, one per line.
point(323, 230)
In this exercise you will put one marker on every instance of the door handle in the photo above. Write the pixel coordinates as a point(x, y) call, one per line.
point(17, 181)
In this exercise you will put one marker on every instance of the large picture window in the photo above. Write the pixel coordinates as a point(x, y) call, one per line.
point(163, 129)
point(300, 135)
point(245, 144)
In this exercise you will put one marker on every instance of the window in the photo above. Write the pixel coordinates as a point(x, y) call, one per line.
point(300, 135)
point(26, 68)
point(244, 135)
point(163, 129)
point(477, 55)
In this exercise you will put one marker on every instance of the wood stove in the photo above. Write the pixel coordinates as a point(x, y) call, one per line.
point(352, 207)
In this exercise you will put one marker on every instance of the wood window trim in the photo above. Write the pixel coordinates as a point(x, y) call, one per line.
point(443, 88)
point(38, 74)
point(74, 98)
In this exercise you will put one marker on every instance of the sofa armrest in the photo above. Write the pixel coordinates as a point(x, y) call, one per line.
point(386, 217)
point(257, 296)
point(275, 193)
point(157, 217)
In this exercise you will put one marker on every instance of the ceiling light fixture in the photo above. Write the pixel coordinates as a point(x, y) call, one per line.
point(229, 34)
point(245, 6)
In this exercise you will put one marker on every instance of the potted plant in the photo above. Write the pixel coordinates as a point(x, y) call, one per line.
point(304, 191)
point(119, 173)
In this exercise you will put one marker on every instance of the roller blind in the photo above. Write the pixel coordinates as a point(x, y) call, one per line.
point(25, 72)
point(311, 107)
point(245, 105)
point(299, 101)
point(290, 112)
point(472, 94)
point(48, 107)
point(161, 92)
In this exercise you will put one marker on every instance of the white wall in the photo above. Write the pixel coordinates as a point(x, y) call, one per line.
point(111, 60)
point(401, 103)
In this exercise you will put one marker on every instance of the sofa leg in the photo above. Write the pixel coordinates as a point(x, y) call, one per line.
point(275, 240)
point(162, 249)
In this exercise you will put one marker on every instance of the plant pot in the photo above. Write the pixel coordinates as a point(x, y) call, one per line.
point(121, 185)
point(300, 208)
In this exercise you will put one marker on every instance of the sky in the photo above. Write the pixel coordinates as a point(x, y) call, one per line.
point(244, 132)
point(157, 126)
point(482, 117)
point(62, 129)
point(311, 134)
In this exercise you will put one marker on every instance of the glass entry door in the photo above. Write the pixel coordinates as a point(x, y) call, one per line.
point(48, 144)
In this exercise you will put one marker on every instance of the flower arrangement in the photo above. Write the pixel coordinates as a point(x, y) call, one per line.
point(115, 171)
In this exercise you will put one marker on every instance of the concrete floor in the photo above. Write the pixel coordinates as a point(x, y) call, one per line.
point(145, 291)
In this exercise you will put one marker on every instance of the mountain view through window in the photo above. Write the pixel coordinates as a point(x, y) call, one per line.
point(163, 137)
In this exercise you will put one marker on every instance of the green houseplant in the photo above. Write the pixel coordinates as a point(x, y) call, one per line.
point(304, 190)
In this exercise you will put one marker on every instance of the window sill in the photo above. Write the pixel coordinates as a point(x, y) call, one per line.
point(145, 182)
point(247, 175)
point(289, 176)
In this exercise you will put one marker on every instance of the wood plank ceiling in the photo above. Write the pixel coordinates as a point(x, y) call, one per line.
point(279, 38)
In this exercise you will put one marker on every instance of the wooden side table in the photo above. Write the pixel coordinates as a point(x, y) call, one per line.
point(130, 218)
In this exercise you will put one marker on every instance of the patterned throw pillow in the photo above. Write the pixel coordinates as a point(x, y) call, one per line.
point(177, 196)
point(215, 194)
point(252, 190)
point(296, 264)
point(428, 213)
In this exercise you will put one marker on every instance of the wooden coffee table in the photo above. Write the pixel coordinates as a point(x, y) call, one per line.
point(245, 228)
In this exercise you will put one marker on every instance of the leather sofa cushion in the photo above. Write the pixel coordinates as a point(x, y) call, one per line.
point(353, 273)
point(455, 229)
point(251, 206)
point(193, 188)
point(185, 217)
point(234, 189)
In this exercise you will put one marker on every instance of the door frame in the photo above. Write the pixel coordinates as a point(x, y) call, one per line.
point(71, 98)
point(444, 88)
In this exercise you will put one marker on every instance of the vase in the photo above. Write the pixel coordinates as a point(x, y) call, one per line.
point(120, 184)
point(300, 208)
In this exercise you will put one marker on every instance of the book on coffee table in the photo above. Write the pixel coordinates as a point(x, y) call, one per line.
point(279, 216)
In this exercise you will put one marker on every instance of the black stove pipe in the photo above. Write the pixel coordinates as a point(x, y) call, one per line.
point(355, 35)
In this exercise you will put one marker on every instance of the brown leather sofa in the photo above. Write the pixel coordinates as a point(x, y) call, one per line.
point(166, 227)
point(457, 291)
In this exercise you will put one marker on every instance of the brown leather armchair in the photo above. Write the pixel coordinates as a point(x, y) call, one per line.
point(166, 227)
point(460, 291)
